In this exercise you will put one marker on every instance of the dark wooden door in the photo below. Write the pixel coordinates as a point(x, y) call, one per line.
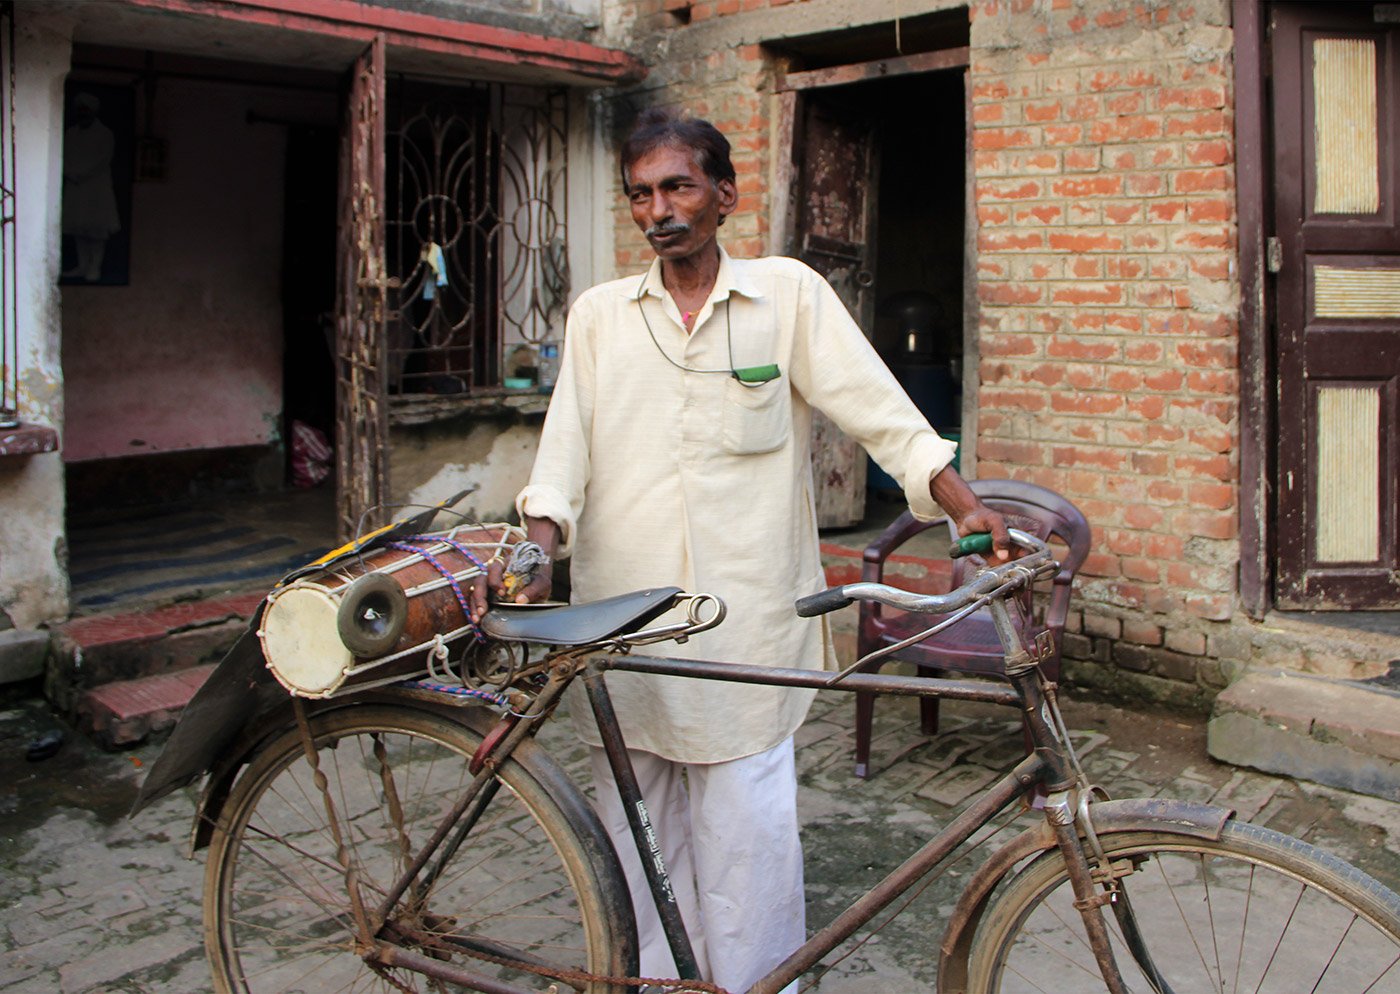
point(361, 428)
point(1337, 259)
point(836, 170)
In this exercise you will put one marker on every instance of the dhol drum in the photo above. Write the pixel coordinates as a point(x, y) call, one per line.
point(369, 619)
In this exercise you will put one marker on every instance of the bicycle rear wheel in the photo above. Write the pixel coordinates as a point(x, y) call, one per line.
point(1254, 911)
point(533, 880)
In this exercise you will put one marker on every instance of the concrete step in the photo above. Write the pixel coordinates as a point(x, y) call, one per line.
point(22, 654)
point(93, 651)
point(1358, 645)
point(126, 712)
point(1341, 733)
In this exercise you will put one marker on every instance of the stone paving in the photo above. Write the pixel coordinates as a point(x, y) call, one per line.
point(91, 901)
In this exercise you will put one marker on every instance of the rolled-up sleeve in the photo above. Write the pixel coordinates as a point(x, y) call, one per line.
point(559, 479)
point(839, 373)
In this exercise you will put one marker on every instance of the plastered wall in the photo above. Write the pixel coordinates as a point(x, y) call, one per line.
point(33, 577)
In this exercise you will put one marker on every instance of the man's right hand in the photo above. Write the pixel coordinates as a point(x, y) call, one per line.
point(538, 589)
point(545, 534)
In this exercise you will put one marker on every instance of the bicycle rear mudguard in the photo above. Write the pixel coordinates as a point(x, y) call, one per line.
point(240, 688)
point(1203, 821)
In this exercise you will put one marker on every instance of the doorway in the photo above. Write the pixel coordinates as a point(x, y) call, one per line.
point(183, 385)
point(880, 210)
point(308, 303)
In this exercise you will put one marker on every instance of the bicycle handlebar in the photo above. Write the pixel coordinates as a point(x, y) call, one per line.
point(1008, 575)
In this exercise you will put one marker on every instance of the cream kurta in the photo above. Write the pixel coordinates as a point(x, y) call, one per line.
point(660, 476)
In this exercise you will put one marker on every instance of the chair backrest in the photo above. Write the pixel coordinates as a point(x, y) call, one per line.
point(1040, 512)
point(1027, 506)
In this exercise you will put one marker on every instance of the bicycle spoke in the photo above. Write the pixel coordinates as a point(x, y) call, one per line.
point(1185, 921)
point(316, 966)
point(1278, 943)
point(1331, 959)
point(300, 851)
point(326, 902)
point(1210, 915)
point(1244, 930)
point(503, 950)
point(1372, 985)
point(1035, 984)
point(1072, 929)
point(347, 816)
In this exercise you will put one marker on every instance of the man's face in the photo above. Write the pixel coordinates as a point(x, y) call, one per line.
point(675, 204)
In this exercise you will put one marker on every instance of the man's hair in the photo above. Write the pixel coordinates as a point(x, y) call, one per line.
point(657, 127)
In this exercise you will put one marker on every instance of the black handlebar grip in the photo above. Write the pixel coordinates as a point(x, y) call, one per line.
point(978, 543)
point(822, 602)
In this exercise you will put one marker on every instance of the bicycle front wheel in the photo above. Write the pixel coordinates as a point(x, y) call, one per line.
point(529, 884)
point(1254, 911)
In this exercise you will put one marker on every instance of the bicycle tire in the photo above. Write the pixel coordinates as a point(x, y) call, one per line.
point(1254, 911)
point(534, 874)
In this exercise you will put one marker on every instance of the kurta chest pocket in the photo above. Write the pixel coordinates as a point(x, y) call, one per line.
point(756, 418)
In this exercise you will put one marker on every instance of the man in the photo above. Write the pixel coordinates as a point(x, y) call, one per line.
point(677, 451)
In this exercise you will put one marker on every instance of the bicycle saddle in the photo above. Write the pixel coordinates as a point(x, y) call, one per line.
point(579, 624)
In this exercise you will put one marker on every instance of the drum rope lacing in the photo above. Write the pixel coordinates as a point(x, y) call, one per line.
point(496, 700)
point(420, 544)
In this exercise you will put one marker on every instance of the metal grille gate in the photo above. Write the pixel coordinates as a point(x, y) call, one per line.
point(452, 254)
point(475, 226)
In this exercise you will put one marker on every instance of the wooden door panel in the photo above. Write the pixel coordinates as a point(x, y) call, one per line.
point(1349, 180)
point(1337, 186)
point(836, 178)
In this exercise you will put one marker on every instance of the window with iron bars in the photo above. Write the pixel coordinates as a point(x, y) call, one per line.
point(475, 235)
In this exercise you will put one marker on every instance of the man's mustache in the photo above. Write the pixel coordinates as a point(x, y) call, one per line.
point(667, 228)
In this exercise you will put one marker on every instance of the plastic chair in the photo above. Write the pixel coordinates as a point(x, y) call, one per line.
point(971, 645)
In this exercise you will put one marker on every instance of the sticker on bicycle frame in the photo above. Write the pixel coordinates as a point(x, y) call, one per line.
point(654, 847)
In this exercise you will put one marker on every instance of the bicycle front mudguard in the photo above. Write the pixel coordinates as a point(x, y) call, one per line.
point(1202, 821)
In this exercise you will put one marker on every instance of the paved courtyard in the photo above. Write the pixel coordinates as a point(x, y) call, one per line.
point(91, 901)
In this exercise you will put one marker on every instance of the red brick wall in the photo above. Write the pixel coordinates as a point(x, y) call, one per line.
point(1108, 298)
point(1104, 181)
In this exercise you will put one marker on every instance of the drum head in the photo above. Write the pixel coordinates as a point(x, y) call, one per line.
point(301, 641)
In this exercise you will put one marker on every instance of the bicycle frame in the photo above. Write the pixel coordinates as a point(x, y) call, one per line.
point(1050, 763)
point(413, 900)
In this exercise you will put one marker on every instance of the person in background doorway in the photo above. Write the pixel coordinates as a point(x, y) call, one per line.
point(89, 200)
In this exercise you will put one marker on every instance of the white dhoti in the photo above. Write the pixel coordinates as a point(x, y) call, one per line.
point(729, 835)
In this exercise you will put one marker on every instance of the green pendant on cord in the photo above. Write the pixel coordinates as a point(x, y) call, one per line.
point(758, 374)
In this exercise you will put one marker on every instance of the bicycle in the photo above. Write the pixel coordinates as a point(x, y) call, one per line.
point(417, 836)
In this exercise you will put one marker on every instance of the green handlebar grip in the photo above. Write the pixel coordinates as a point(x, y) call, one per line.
point(979, 543)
